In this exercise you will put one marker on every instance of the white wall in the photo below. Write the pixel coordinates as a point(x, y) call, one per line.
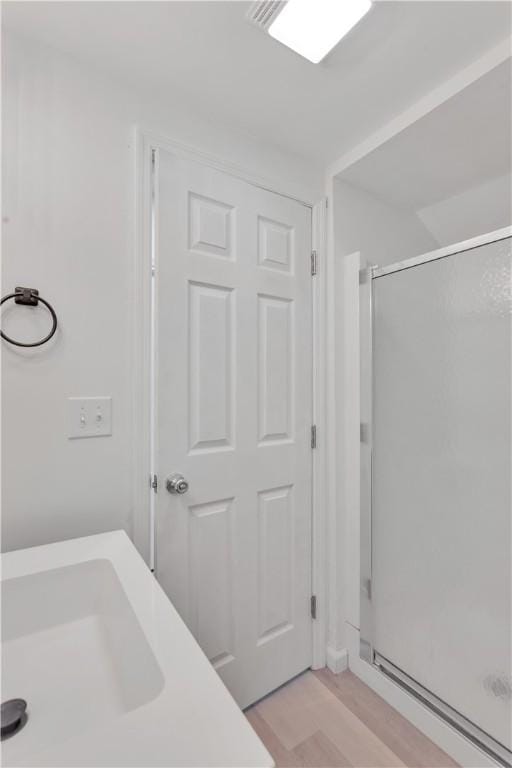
point(68, 207)
point(381, 234)
point(479, 209)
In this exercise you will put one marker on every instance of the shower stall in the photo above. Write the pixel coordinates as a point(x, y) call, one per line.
point(435, 601)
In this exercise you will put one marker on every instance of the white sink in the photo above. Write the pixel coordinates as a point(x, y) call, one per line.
point(111, 674)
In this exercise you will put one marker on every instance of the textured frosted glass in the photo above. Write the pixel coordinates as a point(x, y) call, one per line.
point(441, 512)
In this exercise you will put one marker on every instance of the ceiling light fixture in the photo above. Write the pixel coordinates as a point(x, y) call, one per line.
point(313, 27)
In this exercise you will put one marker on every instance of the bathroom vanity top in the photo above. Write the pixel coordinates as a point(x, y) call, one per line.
point(111, 674)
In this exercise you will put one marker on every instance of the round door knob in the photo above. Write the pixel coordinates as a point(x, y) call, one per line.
point(176, 484)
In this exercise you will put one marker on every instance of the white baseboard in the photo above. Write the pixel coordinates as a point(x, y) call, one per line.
point(337, 661)
point(451, 741)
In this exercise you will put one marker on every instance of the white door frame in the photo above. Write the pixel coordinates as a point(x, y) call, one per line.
point(142, 362)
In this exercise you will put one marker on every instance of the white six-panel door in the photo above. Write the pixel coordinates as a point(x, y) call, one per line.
point(233, 415)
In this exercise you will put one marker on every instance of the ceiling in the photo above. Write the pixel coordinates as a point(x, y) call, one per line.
point(428, 161)
point(210, 56)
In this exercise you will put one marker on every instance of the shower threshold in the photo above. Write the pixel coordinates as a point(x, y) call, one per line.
point(472, 732)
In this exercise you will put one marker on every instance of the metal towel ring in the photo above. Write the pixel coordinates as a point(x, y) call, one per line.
point(29, 297)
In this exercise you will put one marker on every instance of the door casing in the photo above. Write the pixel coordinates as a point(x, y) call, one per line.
point(143, 384)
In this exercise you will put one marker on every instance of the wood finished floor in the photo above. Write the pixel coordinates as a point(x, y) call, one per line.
point(322, 720)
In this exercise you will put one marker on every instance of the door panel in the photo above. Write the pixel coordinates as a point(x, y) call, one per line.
point(275, 379)
point(211, 574)
point(211, 367)
point(234, 405)
point(275, 534)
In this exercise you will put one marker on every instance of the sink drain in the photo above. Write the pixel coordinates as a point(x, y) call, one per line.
point(14, 716)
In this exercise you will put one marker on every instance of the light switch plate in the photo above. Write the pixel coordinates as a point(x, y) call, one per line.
point(89, 417)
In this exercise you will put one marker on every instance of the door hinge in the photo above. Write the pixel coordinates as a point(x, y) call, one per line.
point(153, 482)
point(314, 262)
point(313, 436)
point(313, 606)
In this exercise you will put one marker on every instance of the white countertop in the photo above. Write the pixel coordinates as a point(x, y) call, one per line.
point(192, 721)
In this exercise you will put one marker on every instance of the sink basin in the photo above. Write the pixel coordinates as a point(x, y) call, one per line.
point(111, 674)
point(72, 647)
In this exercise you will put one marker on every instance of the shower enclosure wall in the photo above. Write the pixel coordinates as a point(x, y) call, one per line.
point(435, 599)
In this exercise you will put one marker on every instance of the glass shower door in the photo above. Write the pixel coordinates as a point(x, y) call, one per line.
point(441, 481)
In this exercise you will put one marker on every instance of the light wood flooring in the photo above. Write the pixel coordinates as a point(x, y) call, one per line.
point(321, 720)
